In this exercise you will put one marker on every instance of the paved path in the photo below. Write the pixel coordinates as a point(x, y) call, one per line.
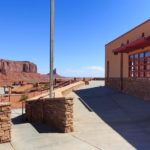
point(126, 119)
point(90, 127)
point(119, 122)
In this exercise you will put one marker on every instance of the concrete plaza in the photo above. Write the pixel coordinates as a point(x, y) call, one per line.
point(104, 119)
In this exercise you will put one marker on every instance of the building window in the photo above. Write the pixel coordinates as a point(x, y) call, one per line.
point(139, 65)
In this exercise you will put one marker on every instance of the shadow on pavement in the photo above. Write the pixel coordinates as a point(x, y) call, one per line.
point(43, 128)
point(40, 127)
point(127, 115)
point(19, 119)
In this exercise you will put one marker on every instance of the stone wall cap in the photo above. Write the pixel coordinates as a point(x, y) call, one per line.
point(40, 99)
point(5, 104)
point(59, 98)
point(69, 98)
point(53, 99)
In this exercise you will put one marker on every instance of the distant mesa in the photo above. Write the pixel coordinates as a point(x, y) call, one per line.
point(17, 71)
point(14, 71)
point(7, 66)
point(55, 75)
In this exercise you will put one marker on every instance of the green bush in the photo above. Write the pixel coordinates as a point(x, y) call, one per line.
point(23, 98)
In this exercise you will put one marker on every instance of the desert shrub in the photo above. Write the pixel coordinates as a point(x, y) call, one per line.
point(23, 98)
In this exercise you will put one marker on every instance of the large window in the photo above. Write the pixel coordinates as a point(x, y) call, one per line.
point(139, 65)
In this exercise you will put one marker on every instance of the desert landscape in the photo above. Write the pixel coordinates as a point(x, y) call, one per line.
point(20, 79)
point(74, 75)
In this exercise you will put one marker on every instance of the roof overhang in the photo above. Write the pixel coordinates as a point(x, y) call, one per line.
point(134, 45)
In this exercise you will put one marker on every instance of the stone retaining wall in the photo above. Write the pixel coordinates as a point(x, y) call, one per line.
point(5, 122)
point(57, 113)
point(114, 83)
point(139, 87)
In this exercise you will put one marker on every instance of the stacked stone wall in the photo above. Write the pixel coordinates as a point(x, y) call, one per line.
point(114, 83)
point(5, 122)
point(139, 87)
point(57, 113)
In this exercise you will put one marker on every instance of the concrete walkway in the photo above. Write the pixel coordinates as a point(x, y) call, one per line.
point(90, 127)
point(125, 120)
point(117, 122)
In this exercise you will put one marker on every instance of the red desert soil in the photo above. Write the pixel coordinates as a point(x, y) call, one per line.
point(12, 71)
point(16, 71)
point(11, 77)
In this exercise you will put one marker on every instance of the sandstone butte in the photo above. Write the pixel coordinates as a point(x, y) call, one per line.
point(13, 71)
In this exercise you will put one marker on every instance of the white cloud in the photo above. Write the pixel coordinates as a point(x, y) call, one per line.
point(96, 68)
point(89, 71)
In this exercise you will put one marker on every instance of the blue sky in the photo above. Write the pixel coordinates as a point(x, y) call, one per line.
point(82, 28)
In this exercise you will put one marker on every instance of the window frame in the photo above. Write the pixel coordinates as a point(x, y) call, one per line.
point(139, 65)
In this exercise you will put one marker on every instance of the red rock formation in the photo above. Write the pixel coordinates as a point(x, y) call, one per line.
point(12, 71)
point(17, 66)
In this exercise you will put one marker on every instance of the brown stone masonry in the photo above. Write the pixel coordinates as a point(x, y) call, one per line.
point(139, 87)
point(5, 122)
point(114, 83)
point(57, 112)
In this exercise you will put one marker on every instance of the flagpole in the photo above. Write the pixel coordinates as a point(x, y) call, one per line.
point(51, 47)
